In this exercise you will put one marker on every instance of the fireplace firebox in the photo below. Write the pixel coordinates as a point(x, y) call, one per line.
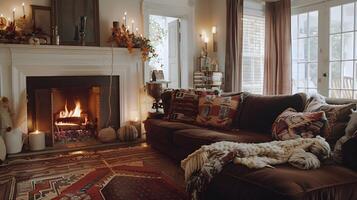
point(71, 109)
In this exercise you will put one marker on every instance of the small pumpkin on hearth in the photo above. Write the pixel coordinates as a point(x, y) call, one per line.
point(107, 135)
point(128, 133)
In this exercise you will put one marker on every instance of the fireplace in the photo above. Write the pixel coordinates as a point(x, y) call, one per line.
point(72, 109)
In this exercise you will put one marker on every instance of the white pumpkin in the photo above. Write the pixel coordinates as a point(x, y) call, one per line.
point(107, 135)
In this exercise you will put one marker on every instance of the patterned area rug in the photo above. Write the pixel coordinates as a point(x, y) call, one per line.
point(131, 173)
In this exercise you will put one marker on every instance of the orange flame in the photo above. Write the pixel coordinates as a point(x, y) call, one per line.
point(72, 113)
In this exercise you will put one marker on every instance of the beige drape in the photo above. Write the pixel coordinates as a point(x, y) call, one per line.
point(277, 75)
point(233, 69)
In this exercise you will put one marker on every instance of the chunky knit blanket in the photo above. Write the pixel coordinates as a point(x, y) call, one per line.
point(203, 164)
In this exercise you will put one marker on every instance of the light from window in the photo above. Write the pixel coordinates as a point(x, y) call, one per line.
point(343, 54)
point(253, 53)
point(304, 33)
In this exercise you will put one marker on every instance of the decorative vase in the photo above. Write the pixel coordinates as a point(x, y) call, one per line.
point(128, 133)
point(14, 141)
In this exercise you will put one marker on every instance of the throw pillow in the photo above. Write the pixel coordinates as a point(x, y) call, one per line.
point(350, 131)
point(337, 117)
point(216, 111)
point(184, 106)
point(292, 124)
point(351, 127)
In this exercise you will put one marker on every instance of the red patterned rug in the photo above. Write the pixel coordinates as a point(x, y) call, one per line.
point(134, 173)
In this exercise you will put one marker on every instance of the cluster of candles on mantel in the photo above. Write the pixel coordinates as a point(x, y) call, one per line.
point(205, 38)
point(125, 18)
point(14, 14)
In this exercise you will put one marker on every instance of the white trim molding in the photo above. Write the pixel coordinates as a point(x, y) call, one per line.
point(29, 61)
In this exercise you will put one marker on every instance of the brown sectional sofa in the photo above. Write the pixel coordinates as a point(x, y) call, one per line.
point(253, 124)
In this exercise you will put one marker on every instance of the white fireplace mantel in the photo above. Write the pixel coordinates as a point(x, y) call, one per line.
point(20, 61)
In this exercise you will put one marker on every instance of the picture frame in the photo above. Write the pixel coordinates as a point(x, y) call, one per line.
point(158, 75)
point(41, 18)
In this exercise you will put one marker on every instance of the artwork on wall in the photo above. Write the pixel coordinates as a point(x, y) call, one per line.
point(42, 26)
point(81, 26)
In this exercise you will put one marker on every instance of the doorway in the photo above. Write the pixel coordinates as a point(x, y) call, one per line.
point(165, 35)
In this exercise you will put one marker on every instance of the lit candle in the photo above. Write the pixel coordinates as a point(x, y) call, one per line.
point(206, 40)
point(23, 9)
point(13, 14)
point(1, 15)
point(203, 36)
point(132, 25)
point(214, 29)
point(125, 13)
point(206, 43)
point(37, 140)
point(137, 30)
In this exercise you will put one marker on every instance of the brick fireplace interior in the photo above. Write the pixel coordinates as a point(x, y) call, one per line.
point(71, 109)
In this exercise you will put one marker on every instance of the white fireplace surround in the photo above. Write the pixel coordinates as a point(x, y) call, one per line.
point(20, 61)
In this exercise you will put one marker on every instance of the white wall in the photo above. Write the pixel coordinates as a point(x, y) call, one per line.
point(212, 13)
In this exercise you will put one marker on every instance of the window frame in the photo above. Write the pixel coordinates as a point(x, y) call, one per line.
point(256, 10)
point(323, 8)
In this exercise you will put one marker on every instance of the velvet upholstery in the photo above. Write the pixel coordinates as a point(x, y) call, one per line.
point(253, 124)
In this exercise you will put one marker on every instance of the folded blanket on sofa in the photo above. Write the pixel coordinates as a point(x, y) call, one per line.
point(203, 164)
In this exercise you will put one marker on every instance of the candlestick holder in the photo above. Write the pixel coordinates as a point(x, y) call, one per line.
point(82, 32)
point(82, 36)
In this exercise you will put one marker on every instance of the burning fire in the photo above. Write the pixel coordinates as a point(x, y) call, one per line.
point(73, 113)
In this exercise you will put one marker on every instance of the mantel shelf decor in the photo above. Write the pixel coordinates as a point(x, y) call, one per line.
point(123, 37)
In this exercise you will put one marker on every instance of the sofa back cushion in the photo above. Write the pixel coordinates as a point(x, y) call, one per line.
point(216, 111)
point(337, 117)
point(167, 97)
point(258, 112)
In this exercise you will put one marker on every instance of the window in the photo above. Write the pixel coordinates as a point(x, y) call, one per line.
point(331, 37)
point(253, 53)
point(343, 56)
point(304, 31)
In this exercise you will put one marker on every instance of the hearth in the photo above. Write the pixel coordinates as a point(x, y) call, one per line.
point(71, 109)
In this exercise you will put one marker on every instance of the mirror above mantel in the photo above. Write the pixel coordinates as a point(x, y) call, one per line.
point(73, 20)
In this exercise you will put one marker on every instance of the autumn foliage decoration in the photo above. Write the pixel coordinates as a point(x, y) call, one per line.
point(124, 38)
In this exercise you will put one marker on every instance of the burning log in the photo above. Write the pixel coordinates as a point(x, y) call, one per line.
point(70, 120)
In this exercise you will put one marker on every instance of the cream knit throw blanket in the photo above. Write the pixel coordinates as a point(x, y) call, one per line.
point(203, 164)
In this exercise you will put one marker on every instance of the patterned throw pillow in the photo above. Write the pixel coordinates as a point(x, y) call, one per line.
point(216, 111)
point(337, 117)
point(292, 124)
point(184, 106)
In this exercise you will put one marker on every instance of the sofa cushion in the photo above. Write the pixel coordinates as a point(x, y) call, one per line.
point(184, 106)
point(217, 111)
point(291, 124)
point(162, 130)
point(337, 116)
point(259, 112)
point(330, 182)
point(199, 137)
